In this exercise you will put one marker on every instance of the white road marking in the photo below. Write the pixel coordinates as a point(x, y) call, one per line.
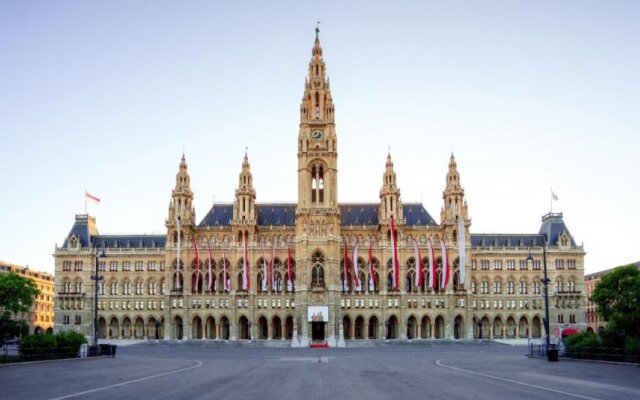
point(198, 364)
point(439, 363)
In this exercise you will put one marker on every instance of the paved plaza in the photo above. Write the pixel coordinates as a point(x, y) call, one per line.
point(402, 371)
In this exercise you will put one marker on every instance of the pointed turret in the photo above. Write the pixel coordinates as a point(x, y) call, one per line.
point(181, 204)
point(317, 104)
point(244, 208)
point(390, 203)
point(453, 195)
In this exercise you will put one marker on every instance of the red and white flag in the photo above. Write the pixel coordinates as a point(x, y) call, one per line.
point(90, 197)
point(197, 279)
point(462, 253)
point(433, 278)
point(178, 256)
point(291, 284)
point(395, 264)
point(225, 275)
point(372, 273)
point(418, 258)
point(356, 278)
point(210, 283)
point(445, 264)
point(346, 266)
point(265, 272)
point(273, 257)
point(245, 262)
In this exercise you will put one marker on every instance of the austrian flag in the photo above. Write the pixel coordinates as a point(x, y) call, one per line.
point(92, 198)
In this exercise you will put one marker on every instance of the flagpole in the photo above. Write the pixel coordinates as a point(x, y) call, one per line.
point(85, 201)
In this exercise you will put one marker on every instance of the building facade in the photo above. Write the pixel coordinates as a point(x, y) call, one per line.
point(40, 317)
point(190, 282)
point(593, 320)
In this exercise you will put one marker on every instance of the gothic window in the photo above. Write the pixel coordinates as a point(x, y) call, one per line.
point(510, 287)
point(559, 286)
point(536, 287)
point(473, 287)
point(177, 281)
point(67, 287)
point(523, 287)
point(570, 286)
point(374, 287)
point(410, 280)
point(497, 287)
point(78, 286)
point(317, 105)
point(139, 288)
point(317, 271)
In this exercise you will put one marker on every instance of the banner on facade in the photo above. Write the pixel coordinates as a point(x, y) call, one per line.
point(318, 314)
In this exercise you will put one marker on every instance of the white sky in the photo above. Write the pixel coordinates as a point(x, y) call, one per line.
point(104, 96)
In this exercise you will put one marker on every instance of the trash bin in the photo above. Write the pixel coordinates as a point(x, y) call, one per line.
point(92, 351)
point(552, 354)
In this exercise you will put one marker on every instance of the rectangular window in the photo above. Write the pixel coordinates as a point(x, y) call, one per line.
point(511, 265)
point(66, 265)
point(151, 266)
point(126, 265)
point(161, 265)
point(497, 265)
point(77, 266)
point(536, 264)
point(571, 264)
point(484, 265)
point(139, 266)
point(102, 266)
point(523, 264)
point(78, 319)
point(65, 319)
point(113, 266)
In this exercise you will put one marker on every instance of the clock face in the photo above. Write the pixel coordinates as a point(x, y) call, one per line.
point(317, 135)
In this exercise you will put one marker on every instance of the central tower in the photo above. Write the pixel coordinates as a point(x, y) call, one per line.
point(317, 213)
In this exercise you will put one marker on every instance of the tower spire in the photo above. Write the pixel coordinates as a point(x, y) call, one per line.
point(390, 203)
point(182, 197)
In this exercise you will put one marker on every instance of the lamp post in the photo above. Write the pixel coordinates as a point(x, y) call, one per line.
point(545, 293)
point(97, 278)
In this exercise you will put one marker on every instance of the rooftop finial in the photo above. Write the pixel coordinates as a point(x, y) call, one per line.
point(317, 29)
point(246, 151)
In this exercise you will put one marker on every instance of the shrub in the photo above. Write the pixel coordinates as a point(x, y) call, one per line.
point(48, 346)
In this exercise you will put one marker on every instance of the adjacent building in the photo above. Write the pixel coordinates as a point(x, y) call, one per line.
point(290, 271)
point(40, 317)
point(593, 320)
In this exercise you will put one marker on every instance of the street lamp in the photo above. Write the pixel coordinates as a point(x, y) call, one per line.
point(545, 293)
point(97, 278)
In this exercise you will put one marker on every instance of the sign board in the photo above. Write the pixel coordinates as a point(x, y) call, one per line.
point(318, 314)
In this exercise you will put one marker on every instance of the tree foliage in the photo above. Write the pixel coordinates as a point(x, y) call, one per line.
point(617, 296)
point(17, 293)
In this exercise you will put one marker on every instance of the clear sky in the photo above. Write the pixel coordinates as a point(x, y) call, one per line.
point(530, 95)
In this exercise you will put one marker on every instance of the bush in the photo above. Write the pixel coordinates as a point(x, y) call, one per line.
point(51, 346)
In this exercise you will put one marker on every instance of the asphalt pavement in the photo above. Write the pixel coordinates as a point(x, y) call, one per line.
point(437, 371)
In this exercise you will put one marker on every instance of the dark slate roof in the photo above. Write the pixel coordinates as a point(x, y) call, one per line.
point(219, 215)
point(136, 241)
point(81, 229)
point(284, 214)
point(505, 240)
point(553, 226)
point(276, 214)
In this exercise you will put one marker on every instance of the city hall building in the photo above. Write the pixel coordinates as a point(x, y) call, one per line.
point(256, 271)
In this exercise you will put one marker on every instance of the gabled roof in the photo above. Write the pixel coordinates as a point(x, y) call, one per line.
point(81, 229)
point(284, 214)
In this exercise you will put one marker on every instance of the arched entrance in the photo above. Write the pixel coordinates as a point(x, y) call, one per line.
point(179, 328)
point(289, 328)
point(373, 328)
point(523, 327)
point(392, 327)
point(224, 328)
point(152, 328)
point(114, 328)
point(536, 330)
point(263, 328)
point(425, 327)
point(277, 328)
point(511, 328)
point(210, 328)
point(346, 327)
point(138, 330)
point(126, 328)
point(359, 328)
point(484, 328)
point(243, 328)
point(439, 327)
point(497, 327)
point(412, 325)
point(196, 328)
point(102, 328)
point(458, 328)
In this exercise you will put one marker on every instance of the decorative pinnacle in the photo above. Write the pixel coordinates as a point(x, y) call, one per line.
point(317, 29)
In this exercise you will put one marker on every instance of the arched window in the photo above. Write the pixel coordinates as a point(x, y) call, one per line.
point(374, 284)
point(317, 270)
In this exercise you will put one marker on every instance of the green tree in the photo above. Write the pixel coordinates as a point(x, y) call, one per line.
point(17, 294)
point(617, 296)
